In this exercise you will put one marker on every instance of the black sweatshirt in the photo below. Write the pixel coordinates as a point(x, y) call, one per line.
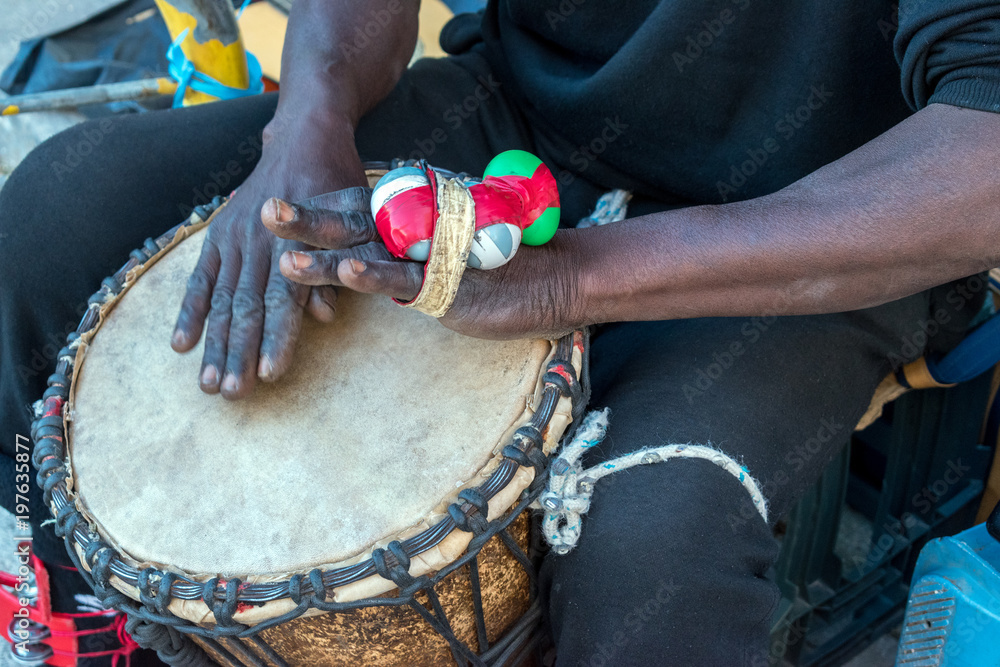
point(708, 101)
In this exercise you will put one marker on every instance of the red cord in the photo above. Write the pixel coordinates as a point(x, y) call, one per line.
point(80, 633)
point(128, 645)
point(91, 614)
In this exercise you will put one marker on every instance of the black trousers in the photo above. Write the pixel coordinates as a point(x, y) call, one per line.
point(671, 567)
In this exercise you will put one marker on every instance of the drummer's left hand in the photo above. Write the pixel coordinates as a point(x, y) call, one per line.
point(536, 294)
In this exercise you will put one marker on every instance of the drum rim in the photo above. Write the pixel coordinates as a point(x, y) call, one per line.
point(48, 432)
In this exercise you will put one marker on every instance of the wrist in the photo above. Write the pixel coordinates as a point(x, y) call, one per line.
point(587, 275)
point(310, 155)
point(572, 295)
point(310, 128)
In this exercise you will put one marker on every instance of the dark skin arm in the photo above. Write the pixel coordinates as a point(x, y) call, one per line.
point(250, 312)
point(914, 208)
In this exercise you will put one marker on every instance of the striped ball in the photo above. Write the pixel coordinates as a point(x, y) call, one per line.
point(395, 182)
point(493, 246)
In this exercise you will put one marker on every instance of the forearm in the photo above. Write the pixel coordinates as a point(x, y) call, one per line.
point(341, 57)
point(916, 207)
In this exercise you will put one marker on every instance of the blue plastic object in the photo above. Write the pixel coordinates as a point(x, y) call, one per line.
point(184, 73)
point(953, 613)
point(976, 354)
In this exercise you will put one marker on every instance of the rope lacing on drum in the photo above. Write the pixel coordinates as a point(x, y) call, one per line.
point(319, 592)
point(475, 521)
point(170, 646)
point(393, 564)
point(154, 589)
point(571, 487)
point(223, 609)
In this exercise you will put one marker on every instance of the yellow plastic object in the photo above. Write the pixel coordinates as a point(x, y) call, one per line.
point(263, 26)
point(166, 85)
point(433, 15)
point(214, 47)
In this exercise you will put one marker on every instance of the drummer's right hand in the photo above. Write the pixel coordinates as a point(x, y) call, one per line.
point(250, 312)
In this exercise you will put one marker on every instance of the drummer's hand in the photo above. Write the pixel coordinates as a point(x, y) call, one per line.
point(533, 295)
point(253, 312)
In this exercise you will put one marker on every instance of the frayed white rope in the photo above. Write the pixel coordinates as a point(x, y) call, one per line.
point(567, 497)
point(611, 207)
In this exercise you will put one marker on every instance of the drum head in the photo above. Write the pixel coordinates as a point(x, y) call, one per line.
point(383, 416)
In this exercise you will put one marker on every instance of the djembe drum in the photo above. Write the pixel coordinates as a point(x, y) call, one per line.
point(369, 508)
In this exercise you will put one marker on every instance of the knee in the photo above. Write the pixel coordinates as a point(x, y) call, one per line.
point(662, 571)
point(57, 163)
point(674, 513)
point(44, 199)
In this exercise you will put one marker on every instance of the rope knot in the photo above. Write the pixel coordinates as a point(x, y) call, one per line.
point(567, 497)
point(570, 487)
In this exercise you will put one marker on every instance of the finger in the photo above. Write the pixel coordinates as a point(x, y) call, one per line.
point(213, 360)
point(197, 299)
point(348, 199)
point(333, 228)
point(400, 280)
point(283, 304)
point(319, 267)
point(246, 329)
point(322, 303)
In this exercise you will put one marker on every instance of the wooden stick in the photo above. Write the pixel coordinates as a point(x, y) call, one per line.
point(71, 98)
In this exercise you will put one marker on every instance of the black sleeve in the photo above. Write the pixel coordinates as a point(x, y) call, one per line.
point(949, 52)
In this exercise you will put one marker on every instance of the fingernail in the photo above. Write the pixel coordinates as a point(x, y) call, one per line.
point(300, 260)
point(284, 211)
point(264, 368)
point(357, 266)
point(209, 376)
point(230, 384)
point(178, 338)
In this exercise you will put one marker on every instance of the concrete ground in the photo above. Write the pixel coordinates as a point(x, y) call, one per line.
point(24, 19)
